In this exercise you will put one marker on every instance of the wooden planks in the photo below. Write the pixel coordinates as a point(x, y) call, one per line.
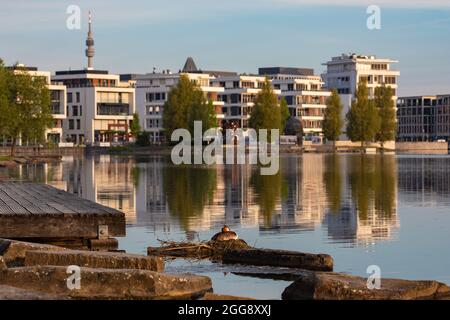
point(29, 210)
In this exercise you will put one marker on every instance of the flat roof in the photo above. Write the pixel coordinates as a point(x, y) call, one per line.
point(85, 71)
point(286, 71)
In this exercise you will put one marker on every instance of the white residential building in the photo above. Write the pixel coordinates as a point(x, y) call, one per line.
point(152, 92)
point(239, 97)
point(99, 106)
point(304, 95)
point(345, 72)
point(58, 101)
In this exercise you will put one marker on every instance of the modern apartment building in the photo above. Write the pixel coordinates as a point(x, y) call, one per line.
point(99, 106)
point(416, 117)
point(239, 96)
point(346, 71)
point(304, 95)
point(443, 117)
point(152, 92)
point(58, 102)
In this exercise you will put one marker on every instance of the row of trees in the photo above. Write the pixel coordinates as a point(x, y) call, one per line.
point(186, 103)
point(367, 120)
point(25, 107)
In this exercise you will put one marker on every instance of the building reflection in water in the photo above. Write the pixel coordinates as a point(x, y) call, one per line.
point(424, 181)
point(352, 198)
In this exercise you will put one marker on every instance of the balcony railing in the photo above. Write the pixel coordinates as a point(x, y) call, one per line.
point(113, 109)
point(56, 108)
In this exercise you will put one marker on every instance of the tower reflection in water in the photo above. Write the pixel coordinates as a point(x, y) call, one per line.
point(352, 198)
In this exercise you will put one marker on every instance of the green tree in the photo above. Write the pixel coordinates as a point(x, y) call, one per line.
point(135, 127)
point(25, 107)
point(185, 104)
point(386, 110)
point(363, 120)
point(5, 99)
point(263, 115)
point(203, 112)
point(285, 115)
point(333, 121)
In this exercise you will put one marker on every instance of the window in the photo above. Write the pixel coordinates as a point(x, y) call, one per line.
point(69, 97)
point(75, 111)
point(81, 111)
point(71, 127)
point(78, 124)
point(78, 97)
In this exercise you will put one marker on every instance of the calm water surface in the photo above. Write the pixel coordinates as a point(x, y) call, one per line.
point(390, 211)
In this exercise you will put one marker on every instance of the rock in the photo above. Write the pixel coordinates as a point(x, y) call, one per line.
point(94, 259)
point(13, 252)
point(339, 286)
point(213, 296)
point(279, 258)
point(8, 164)
point(108, 283)
point(12, 293)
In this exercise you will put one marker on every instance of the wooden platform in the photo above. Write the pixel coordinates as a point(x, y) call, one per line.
point(38, 211)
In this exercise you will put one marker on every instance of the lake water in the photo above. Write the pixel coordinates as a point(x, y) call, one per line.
point(390, 211)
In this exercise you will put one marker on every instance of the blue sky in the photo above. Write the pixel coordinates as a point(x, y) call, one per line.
point(239, 35)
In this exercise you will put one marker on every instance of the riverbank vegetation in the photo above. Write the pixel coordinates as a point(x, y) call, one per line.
point(25, 111)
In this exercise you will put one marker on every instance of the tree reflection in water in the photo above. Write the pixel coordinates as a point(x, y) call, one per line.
point(269, 190)
point(188, 188)
point(332, 177)
point(373, 185)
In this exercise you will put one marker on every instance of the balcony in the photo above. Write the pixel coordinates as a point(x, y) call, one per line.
point(113, 109)
point(56, 108)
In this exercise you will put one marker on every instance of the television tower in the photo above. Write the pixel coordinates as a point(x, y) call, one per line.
point(90, 45)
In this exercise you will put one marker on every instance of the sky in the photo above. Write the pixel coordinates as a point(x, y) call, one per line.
point(238, 35)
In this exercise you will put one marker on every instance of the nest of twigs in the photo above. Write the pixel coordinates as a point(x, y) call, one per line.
point(198, 250)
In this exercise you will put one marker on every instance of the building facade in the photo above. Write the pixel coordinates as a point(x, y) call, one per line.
point(416, 118)
point(304, 95)
point(152, 91)
point(345, 72)
point(238, 98)
point(99, 107)
point(443, 117)
point(58, 91)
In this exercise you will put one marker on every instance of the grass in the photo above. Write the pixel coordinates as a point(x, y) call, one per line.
point(5, 158)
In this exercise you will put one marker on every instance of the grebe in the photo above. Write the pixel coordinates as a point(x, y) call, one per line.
point(225, 234)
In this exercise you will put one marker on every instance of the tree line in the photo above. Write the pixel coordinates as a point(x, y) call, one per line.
point(367, 119)
point(25, 107)
point(186, 103)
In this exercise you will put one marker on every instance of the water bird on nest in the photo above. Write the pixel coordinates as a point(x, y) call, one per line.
point(225, 234)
